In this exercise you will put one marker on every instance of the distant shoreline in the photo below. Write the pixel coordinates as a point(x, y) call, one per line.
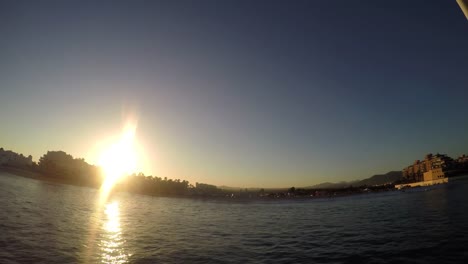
point(33, 175)
point(41, 177)
point(22, 172)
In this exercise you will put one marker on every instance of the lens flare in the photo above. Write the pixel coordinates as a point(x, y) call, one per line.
point(120, 158)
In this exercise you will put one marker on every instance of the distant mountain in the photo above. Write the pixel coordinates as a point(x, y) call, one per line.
point(378, 179)
point(331, 185)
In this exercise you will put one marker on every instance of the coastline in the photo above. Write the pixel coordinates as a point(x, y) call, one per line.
point(34, 175)
point(22, 172)
point(273, 197)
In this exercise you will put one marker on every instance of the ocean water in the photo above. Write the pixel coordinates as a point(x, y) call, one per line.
point(42, 222)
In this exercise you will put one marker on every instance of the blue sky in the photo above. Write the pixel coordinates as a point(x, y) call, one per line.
point(239, 93)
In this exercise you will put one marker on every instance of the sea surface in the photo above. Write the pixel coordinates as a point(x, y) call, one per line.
point(42, 222)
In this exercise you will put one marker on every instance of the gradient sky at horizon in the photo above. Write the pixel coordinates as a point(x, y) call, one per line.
point(238, 93)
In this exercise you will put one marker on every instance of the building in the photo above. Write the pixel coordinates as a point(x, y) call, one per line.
point(10, 158)
point(434, 174)
point(433, 167)
point(462, 160)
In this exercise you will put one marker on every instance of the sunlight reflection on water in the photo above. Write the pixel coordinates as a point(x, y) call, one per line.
point(112, 243)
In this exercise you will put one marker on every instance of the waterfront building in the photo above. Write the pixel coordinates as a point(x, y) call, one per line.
point(463, 159)
point(431, 168)
point(10, 158)
point(434, 174)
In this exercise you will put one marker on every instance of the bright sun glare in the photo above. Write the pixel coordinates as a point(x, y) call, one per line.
point(120, 158)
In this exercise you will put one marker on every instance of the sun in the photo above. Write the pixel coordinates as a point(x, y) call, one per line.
point(120, 158)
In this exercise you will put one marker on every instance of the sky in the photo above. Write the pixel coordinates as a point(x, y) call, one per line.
point(238, 93)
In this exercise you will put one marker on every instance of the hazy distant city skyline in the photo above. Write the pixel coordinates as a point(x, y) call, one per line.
point(238, 93)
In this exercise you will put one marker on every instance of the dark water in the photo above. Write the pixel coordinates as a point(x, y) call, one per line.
point(46, 223)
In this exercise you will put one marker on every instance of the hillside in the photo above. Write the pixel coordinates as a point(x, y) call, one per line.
point(378, 179)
